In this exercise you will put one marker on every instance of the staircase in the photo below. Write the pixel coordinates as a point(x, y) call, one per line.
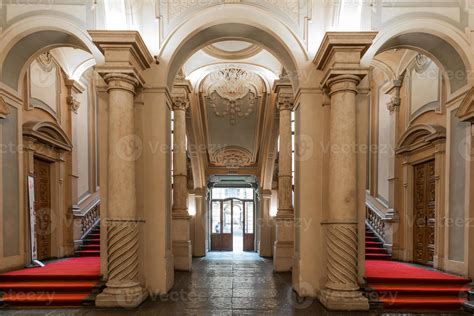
point(374, 248)
point(407, 287)
point(62, 283)
point(90, 244)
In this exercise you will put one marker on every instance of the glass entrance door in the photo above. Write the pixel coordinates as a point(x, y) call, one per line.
point(232, 225)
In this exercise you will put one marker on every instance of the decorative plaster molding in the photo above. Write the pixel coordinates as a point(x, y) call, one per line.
point(465, 111)
point(232, 157)
point(394, 91)
point(180, 103)
point(73, 88)
point(285, 101)
point(419, 136)
point(4, 108)
point(232, 88)
point(47, 133)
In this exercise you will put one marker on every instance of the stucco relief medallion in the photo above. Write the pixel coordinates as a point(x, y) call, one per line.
point(232, 157)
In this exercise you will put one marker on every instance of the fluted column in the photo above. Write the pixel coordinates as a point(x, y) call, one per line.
point(339, 59)
point(126, 57)
point(123, 287)
point(181, 238)
point(341, 227)
point(284, 240)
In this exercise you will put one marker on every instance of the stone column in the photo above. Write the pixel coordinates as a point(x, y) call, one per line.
point(265, 246)
point(126, 57)
point(284, 219)
point(181, 238)
point(123, 287)
point(339, 59)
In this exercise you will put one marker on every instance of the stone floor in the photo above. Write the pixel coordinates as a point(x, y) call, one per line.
point(224, 283)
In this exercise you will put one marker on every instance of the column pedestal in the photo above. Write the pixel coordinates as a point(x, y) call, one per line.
point(182, 249)
point(265, 245)
point(284, 246)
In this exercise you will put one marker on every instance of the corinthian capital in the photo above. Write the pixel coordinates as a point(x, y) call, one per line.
point(285, 102)
point(180, 103)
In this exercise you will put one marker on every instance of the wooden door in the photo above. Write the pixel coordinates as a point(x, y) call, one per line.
point(249, 227)
point(424, 213)
point(221, 225)
point(43, 208)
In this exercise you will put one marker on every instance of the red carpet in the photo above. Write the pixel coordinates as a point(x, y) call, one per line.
point(402, 286)
point(91, 244)
point(66, 282)
point(374, 249)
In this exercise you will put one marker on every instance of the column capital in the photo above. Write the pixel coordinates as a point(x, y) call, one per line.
point(180, 102)
point(394, 91)
point(285, 102)
point(125, 52)
point(4, 109)
point(343, 83)
point(73, 89)
point(340, 54)
point(121, 81)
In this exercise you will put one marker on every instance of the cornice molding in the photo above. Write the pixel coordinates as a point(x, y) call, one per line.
point(4, 108)
point(124, 51)
point(465, 111)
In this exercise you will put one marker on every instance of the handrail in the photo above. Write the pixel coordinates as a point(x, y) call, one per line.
point(89, 218)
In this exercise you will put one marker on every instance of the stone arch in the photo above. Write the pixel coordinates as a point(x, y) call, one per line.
point(25, 39)
point(439, 40)
point(237, 23)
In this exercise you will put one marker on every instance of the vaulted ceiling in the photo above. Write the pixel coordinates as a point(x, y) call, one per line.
point(234, 112)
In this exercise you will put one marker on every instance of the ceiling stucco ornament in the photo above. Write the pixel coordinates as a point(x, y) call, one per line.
point(232, 157)
point(422, 62)
point(45, 61)
point(232, 93)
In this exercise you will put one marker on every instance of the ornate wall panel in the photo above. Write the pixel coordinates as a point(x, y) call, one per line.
point(44, 79)
point(424, 87)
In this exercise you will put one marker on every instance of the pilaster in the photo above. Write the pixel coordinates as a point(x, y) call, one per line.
point(283, 249)
point(180, 231)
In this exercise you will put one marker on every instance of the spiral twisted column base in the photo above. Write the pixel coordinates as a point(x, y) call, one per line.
point(123, 288)
point(342, 289)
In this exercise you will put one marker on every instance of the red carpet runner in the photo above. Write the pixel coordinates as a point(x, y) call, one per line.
point(66, 282)
point(402, 286)
point(91, 244)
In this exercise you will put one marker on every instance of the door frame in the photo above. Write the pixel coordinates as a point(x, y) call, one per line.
point(39, 144)
point(231, 199)
point(419, 144)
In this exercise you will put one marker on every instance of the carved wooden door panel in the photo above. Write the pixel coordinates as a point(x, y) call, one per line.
point(424, 213)
point(43, 208)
